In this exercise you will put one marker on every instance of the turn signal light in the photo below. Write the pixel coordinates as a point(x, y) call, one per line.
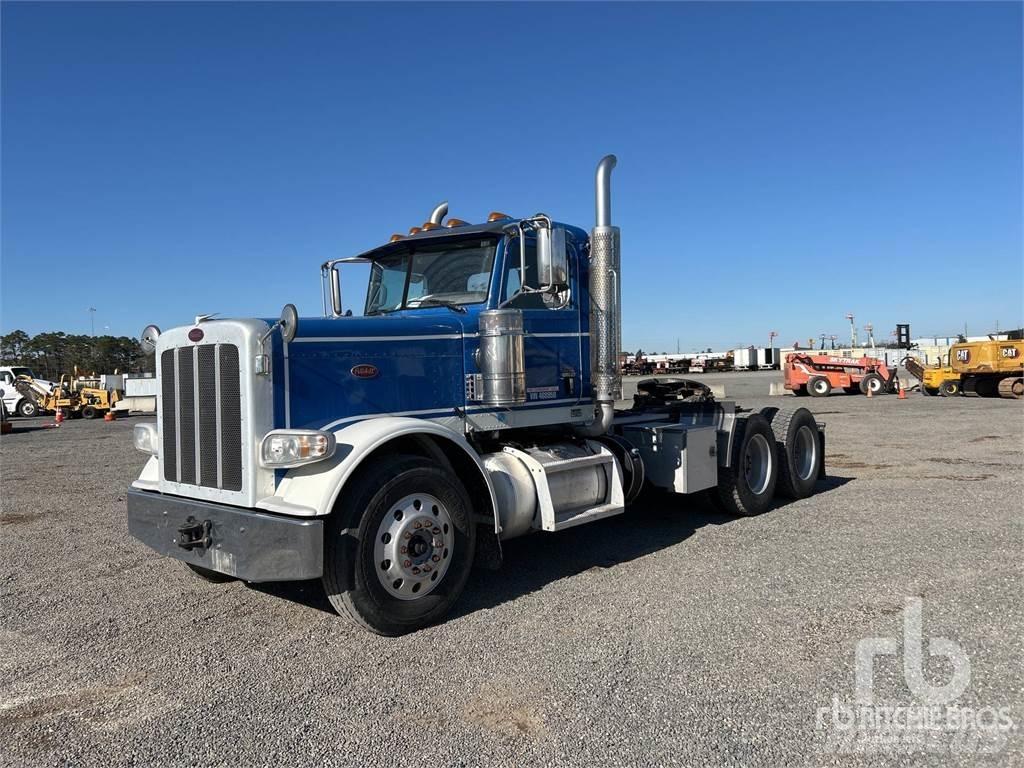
point(395, 237)
point(455, 223)
point(497, 215)
point(429, 225)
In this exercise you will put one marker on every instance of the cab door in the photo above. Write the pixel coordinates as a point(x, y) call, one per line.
point(554, 343)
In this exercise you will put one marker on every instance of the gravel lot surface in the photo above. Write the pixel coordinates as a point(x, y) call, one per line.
point(670, 635)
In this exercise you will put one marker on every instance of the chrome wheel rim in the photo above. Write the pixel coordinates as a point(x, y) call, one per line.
point(805, 450)
point(757, 464)
point(414, 546)
point(820, 386)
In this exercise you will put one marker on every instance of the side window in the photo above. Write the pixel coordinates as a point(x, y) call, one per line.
point(512, 279)
point(6, 377)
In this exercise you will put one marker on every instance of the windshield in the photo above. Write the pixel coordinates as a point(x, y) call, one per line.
point(431, 274)
point(23, 372)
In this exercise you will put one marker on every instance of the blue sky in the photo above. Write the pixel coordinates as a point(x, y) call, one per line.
point(779, 164)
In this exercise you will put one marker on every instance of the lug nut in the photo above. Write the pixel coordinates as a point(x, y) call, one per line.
point(427, 568)
point(436, 558)
point(436, 531)
point(415, 571)
point(418, 524)
point(406, 535)
point(407, 563)
point(404, 550)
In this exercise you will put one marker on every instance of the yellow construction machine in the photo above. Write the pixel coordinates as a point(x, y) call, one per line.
point(72, 401)
point(988, 368)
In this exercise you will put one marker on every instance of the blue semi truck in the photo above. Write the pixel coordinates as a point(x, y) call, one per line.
point(473, 400)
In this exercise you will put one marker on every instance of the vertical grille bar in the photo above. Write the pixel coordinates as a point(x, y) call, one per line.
point(230, 418)
point(169, 450)
point(206, 394)
point(187, 414)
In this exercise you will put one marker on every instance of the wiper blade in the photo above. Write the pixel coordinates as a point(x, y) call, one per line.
point(441, 303)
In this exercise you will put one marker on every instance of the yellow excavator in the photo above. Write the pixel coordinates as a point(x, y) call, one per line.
point(988, 368)
point(81, 402)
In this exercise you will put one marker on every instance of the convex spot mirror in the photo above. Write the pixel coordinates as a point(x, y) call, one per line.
point(552, 258)
point(289, 323)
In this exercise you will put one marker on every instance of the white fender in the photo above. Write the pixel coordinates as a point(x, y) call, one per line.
point(312, 490)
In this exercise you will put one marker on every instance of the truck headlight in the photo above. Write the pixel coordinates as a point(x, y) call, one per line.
point(284, 448)
point(146, 438)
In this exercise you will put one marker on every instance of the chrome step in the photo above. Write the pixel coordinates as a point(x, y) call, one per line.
point(579, 517)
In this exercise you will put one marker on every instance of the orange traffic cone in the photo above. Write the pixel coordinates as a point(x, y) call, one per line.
point(903, 393)
point(59, 416)
point(869, 392)
point(109, 416)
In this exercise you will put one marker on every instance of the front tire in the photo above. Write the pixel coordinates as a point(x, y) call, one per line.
point(27, 408)
point(746, 488)
point(400, 545)
point(819, 386)
point(949, 388)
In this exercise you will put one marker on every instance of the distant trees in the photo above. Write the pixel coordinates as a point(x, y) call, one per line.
point(51, 354)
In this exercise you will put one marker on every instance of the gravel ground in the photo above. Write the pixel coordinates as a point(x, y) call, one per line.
point(671, 635)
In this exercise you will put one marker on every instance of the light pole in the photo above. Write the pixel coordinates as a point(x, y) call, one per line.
point(92, 321)
point(771, 338)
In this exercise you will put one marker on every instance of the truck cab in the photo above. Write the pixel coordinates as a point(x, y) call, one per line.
point(15, 401)
point(471, 401)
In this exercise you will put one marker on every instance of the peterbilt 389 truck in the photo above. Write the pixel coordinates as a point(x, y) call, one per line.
point(472, 401)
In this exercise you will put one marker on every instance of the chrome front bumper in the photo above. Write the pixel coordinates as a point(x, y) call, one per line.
point(252, 546)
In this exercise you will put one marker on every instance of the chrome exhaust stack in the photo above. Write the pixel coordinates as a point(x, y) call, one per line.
point(605, 303)
point(440, 211)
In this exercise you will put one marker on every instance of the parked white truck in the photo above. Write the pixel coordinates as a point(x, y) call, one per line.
point(15, 401)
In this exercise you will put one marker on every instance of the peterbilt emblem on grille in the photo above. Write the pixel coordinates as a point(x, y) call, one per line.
point(365, 371)
point(196, 334)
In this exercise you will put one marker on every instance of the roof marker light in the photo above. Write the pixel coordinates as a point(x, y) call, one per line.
point(497, 216)
point(429, 225)
point(396, 237)
point(455, 223)
point(414, 230)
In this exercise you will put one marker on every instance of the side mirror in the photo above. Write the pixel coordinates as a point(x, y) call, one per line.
point(335, 280)
point(552, 258)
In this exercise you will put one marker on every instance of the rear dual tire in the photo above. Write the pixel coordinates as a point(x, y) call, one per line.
point(747, 487)
point(799, 450)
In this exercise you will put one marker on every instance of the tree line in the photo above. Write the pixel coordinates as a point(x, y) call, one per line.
point(51, 354)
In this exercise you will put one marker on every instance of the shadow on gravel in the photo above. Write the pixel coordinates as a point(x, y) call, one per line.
point(533, 562)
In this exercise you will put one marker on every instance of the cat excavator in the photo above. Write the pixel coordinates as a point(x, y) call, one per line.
point(990, 368)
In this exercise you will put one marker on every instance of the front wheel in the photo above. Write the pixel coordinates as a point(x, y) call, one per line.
point(400, 546)
point(949, 388)
point(819, 386)
point(27, 408)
